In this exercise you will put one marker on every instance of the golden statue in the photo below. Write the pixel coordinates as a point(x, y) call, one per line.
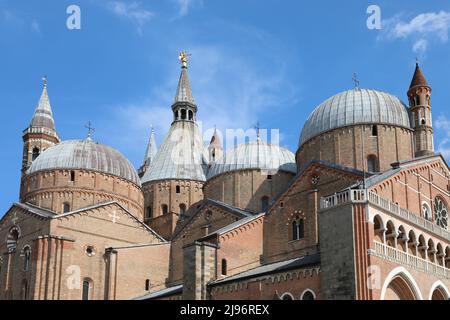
point(184, 58)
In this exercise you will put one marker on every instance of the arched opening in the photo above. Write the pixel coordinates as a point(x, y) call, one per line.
point(177, 189)
point(426, 211)
point(183, 114)
point(164, 209)
point(11, 241)
point(264, 204)
point(374, 131)
point(372, 163)
point(72, 176)
point(66, 207)
point(26, 258)
point(391, 234)
point(182, 210)
point(440, 255)
point(402, 238)
point(431, 251)
point(35, 153)
point(287, 296)
point(147, 285)
point(298, 229)
point(422, 247)
point(191, 115)
point(378, 229)
point(149, 212)
point(87, 289)
point(412, 243)
point(447, 257)
point(308, 295)
point(224, 267)
point(438, 294)
point(399, 289)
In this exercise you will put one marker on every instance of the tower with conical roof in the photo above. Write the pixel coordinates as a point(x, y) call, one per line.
point(419, 94)
point(41, 133)
point(174, 180)
point(215, 149)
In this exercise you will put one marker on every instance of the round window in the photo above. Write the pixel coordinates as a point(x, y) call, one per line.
point(90, 251)
point(440, 213)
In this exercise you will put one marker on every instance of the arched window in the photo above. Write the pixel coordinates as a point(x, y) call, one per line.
point(164, 209)
point(147, 284)
point(374, 131)
point(372, 163)
point(26, 258)
point(35, 154)
point(224, 267)
point(72, 176)
point(287, 296)
point(66, 207)
point(440, 212)
point(87, 288)
point(178, 189)
point(191, 115)
point(298, 229)
point(264, 204)
point(182, 210)
point(308, 295)
point(149, 212)
point(11, 242)
point(183, 114)
point(426, 211)
point(423, 122)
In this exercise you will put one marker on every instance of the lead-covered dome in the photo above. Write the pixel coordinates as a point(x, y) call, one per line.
point(255, 155)
point(85, 155)
point(357, 106)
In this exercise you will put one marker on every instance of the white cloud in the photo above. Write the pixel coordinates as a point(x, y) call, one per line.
point(443, 123)
point(35, 27)
point(421, 29)
point(133, 11)
point(185, 5)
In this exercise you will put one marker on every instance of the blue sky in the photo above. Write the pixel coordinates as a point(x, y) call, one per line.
point(268, 61)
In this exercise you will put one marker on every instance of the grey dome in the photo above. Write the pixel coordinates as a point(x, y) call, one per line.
point(87, 155)
point(357, 106)
point(255, 155)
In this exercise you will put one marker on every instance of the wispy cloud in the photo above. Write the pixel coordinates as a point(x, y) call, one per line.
point(185, 5)
point(423, 28)
point(443, 124)
point(133, 11)
point(35, 26)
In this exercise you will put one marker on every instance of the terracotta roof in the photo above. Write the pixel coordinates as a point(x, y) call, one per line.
point(418, 79)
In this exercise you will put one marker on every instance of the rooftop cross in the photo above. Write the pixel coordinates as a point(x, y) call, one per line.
point(356, 80)
point(90, 128)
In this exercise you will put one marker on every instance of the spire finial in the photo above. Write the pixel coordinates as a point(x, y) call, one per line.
point(91, 130)
point(356, 80)
point(44, 81)
point(183, 57)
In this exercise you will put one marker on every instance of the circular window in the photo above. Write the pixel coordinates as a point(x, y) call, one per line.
point(440, 213)
point(90, 251)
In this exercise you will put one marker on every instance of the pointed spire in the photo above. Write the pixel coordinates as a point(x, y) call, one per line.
point(151, 151)
point(43, 116)
point(418, 79)
point(215, 139)
point(184, 92)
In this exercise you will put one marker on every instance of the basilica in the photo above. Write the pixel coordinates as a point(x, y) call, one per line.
point(358, 212)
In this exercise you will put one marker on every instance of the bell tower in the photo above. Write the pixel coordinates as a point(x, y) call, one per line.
point(419, 96)
point(41, 133)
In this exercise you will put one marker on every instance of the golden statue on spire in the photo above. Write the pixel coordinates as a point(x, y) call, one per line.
point(184, 58)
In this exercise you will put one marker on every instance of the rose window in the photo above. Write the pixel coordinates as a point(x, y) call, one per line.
point(440, 213)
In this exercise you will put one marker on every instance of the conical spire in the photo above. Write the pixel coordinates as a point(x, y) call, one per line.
point(215, 139)
point(151, 151)
point(418, 79)
point(43, 116)
point(184, 92)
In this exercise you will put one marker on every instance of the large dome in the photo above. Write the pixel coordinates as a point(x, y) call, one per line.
point(357, 106)
point(87, 155)
point(255, 155)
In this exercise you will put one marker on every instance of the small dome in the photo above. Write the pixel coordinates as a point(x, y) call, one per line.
point(357, 106)
point(85, 155)
point(255, 155)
